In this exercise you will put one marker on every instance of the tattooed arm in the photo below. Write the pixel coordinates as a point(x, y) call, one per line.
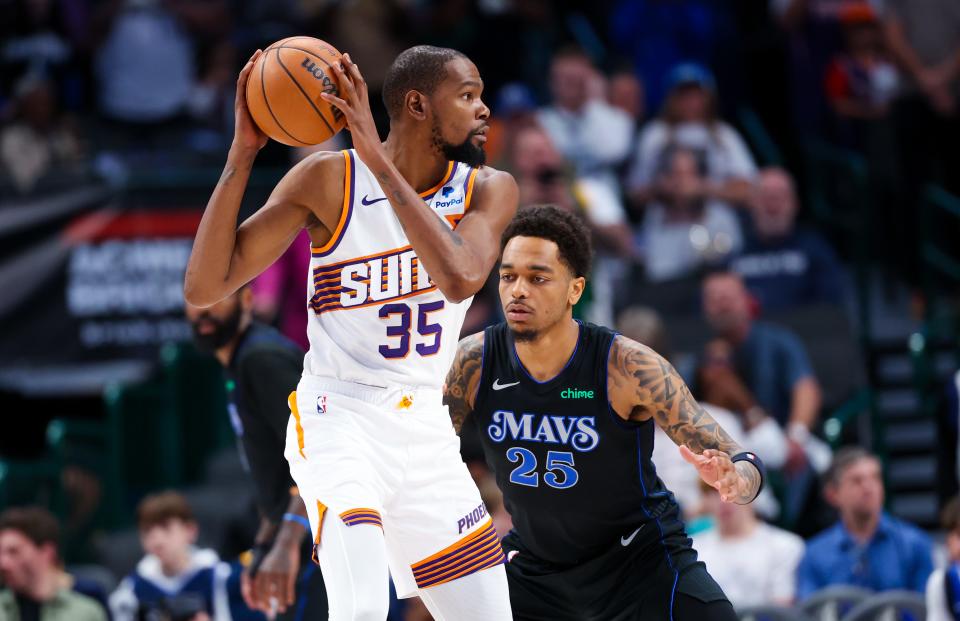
point(461, 385)
point(642, 385)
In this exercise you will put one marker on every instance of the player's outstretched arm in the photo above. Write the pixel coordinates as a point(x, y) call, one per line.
point(225, 256)
point(458, 261)
point(463, 378)
point(642, 384)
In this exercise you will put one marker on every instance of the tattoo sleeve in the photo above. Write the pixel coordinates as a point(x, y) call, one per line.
point(654, 389)
point(462, 379)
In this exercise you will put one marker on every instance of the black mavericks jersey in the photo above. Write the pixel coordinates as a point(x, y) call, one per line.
point(576, 478)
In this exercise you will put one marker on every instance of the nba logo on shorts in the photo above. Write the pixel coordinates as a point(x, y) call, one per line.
point(321, 404)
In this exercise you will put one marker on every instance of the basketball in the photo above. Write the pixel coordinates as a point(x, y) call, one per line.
point(283, 92)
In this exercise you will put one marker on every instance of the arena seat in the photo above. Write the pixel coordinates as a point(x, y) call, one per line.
point(833, 602)
point(892, 605)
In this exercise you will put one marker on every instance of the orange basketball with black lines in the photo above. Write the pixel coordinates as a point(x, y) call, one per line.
point(283, 91)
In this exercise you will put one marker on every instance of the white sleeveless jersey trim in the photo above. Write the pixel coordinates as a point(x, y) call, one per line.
point(374, 315)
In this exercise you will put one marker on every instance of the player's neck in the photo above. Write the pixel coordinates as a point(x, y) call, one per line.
point(546, 356)
point(422, 168)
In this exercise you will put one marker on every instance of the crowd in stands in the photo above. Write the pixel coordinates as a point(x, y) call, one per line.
point(628, 113)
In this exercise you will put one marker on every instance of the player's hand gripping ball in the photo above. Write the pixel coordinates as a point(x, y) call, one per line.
point(283, 91)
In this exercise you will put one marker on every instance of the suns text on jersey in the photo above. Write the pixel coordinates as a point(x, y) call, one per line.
point(579, 432)
point(369, 280)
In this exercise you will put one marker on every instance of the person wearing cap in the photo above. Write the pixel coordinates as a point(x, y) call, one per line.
point(689, 119)
point(861, 82)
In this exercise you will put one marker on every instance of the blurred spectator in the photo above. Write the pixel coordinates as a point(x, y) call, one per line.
point(590, 134)
point(513, 110)
point(544, 177)
point(161, 63)
point(658, 34)
point(861, 82)
point(174, 579)
point(815, 36)
point(686, 230)
point(261, 368)
point(924, 37)
point(771, 361)
point(754, 563)
point(40, 140)
point(762, 434)
point(867, 547)
point(48, 38)
point(766, 369)
point(689, 119)
point(36, 588)
point(943, 587)
point(625, 92)
point(782, 265)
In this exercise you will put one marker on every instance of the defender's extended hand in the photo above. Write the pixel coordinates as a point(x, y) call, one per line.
point(719, 472)
point(355, 105)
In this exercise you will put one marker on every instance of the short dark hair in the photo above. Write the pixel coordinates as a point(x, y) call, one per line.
point(158, 509)
point(572, 51)
point(561, 227)
point(35, 523)
point(950, 516)
point(420, 68)
point(843, 459)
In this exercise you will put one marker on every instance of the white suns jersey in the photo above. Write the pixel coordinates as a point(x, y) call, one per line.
point(374, 316)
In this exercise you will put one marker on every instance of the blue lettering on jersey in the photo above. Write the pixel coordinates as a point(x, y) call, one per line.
point(579, 432)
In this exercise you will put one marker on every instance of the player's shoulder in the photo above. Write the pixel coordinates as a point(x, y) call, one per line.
point(322, 166)
point(471, 345)
point(315, 173)
point(626, 353)
point(316, 181)
point(490, 178)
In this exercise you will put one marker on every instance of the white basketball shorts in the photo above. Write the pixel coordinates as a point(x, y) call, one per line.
point(389, 458)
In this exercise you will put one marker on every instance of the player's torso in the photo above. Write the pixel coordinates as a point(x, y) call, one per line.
point(374, 316)
point(569, 467)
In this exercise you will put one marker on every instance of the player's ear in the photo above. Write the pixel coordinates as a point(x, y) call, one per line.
point(576, 290)
point(416, 105)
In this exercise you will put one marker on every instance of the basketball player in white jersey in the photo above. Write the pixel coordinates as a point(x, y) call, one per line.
point(370, 443)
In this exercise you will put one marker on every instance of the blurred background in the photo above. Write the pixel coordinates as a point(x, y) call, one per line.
point(783, 169)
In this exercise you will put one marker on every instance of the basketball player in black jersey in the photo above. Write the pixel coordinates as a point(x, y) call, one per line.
point(565, 412)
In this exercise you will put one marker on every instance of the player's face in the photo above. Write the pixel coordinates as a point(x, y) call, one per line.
point(460, 116)
point(20, 561)
point(215, 326)
point(537, 290)
point(169, 541)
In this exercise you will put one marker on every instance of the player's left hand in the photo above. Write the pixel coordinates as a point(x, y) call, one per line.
point(274, 585)
point(718, 472)
point(354, 102)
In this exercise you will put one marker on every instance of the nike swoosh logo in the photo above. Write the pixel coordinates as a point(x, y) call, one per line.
point(498, 386)
point(365, 200)
point(625, 541)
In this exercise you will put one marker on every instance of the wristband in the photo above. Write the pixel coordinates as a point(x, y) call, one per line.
point(757, 463)
point(299, 519)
